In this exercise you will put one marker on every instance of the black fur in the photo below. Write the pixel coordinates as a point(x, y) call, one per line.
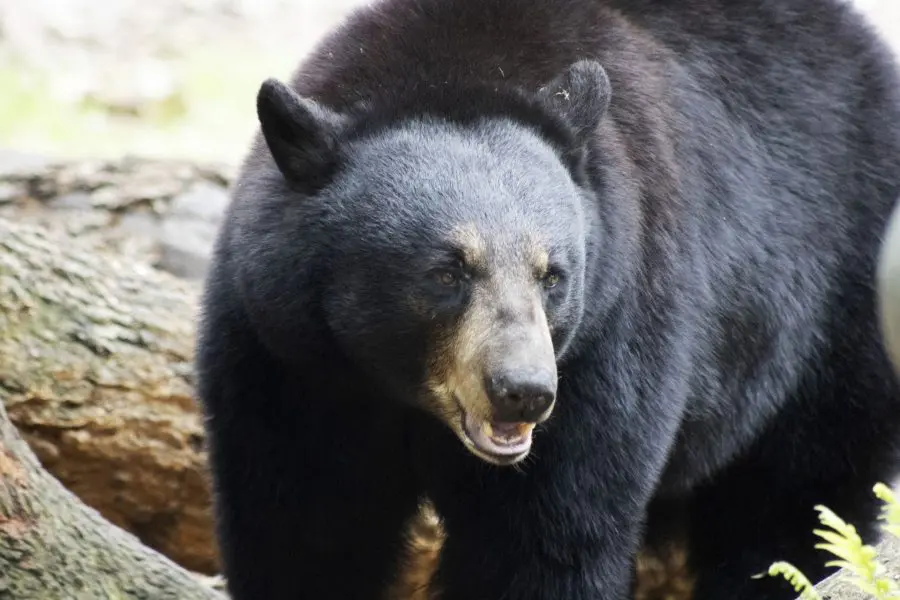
point(717, 343)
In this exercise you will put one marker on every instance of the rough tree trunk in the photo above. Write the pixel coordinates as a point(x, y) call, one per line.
point(53, 546)
point(95, 373)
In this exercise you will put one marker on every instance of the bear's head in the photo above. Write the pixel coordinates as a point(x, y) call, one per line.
point(448, 232)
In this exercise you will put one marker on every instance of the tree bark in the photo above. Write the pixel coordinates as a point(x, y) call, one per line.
point(53, 546)
point(95, 372)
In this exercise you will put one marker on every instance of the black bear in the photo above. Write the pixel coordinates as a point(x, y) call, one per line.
point(555, 265)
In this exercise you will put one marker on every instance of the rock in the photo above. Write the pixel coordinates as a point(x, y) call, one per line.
point(158, 212)
point(140, 223)
point(10, 192)
point(73, 201)
point(202, 200)
point(186, 246)
point(116, 197)
point(14, 161)
point(189, 229)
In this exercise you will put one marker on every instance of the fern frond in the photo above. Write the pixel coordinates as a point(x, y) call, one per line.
point(858, 559)
point(890, 512)
point(844, 542)
point(795, 577)
point(828, 518)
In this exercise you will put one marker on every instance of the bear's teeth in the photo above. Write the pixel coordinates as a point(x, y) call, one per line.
point(525, 429)
point(508, 433)
point(513, 430)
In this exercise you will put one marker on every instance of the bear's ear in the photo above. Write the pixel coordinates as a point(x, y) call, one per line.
point(580, 95)
point(301, 134)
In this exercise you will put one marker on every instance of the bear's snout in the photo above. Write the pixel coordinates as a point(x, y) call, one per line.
point(521, 394)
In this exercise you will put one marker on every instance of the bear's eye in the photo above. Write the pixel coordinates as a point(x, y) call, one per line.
point(447, 277)
point(551, 279)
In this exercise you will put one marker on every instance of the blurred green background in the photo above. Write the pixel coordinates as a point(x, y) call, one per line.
point(169, 78)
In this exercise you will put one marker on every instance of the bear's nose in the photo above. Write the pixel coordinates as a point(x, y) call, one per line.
point(521, 395)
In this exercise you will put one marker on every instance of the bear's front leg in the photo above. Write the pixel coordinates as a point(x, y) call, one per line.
point(312, 484)
point(525, 555)
point(564, 523)
point(297, 521)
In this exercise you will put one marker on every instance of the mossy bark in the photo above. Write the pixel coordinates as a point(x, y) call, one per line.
point(53, 546)
point(95, 372)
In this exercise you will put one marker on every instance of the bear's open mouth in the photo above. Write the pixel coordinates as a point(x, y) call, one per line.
point(500, 442)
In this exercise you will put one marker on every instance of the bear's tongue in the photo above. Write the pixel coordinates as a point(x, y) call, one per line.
point(499, 438)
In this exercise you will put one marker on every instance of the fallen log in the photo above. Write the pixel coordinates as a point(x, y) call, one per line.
point(54, 546)
point(96, 375)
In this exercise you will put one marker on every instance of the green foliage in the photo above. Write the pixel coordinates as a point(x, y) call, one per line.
point(209, 113)
point(861, 560)
point(795, 577)
point(891, 511)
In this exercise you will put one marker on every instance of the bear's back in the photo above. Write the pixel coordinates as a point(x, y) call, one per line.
point(754, 80)
point(397, 46)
